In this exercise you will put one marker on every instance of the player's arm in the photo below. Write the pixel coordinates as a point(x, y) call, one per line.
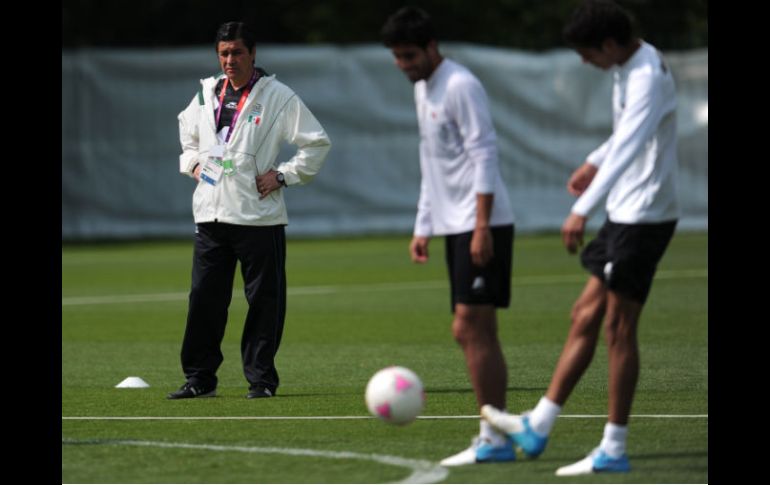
point(189, 160)
point(572, 232)
point(482, 248)
point(581, 178)
point(418, 247)
point(633, 131)
point(470, 108)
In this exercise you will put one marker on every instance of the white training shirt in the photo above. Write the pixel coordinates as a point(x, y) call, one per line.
point(638, 163)
point(458, 153)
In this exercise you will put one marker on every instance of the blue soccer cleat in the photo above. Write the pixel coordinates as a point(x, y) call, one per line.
point(528, 440)
point(517, 428)
point(596, 462)
point(482, 451)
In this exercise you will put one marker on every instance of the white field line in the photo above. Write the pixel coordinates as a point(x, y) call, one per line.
point(422, 471)
point(340, 418)
point(323, 290)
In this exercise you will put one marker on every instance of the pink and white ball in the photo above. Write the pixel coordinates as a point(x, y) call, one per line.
point(395, 395)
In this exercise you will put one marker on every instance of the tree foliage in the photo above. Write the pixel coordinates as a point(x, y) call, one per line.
point(523, 24)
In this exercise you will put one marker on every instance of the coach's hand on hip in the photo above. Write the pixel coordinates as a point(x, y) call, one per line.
point(267, 182)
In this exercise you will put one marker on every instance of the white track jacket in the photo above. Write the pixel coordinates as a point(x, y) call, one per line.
point(272, 114)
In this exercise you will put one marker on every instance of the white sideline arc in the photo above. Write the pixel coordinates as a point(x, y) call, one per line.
point(423, 471)
point(404, 286)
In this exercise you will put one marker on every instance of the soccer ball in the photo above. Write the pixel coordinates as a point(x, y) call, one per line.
point(395, 395)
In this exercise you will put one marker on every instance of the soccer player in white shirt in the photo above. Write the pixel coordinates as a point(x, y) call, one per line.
point(636, 170)
point(462, 197)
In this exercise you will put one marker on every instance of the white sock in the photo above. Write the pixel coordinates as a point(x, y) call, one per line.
point(486, 431)
point(543, 417)
point(614, 440)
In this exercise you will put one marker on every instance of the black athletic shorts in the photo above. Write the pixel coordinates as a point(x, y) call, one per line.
point(474, 285)
point(625, 256)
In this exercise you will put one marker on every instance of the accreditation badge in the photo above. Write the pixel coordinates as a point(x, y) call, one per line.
point(212, 170)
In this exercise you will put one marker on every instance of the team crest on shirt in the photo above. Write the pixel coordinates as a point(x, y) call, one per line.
point(255, 116)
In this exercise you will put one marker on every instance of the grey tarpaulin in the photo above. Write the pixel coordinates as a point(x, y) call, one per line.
point(120, 145)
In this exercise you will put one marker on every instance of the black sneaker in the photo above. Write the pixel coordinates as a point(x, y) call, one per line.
point(258, 392)
point(188, 391)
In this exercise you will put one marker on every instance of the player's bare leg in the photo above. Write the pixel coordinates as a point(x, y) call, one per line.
point(587, 314)
point(530, 430)
point(620, 328)
point(475, 329)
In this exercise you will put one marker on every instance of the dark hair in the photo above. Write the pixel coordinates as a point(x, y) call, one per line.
point(595, 21)
point(409, 25)
point(230, 31)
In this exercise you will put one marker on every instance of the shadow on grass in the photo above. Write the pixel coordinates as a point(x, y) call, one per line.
point(465, 390)
point(429, 390)
point(657, 456)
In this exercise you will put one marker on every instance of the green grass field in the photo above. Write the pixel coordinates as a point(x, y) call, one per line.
point(355, 306)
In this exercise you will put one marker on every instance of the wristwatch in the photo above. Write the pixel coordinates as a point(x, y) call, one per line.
point(279, 178)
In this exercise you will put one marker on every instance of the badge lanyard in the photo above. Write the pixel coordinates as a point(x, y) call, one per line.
point(241, 102)
point(216, 166)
